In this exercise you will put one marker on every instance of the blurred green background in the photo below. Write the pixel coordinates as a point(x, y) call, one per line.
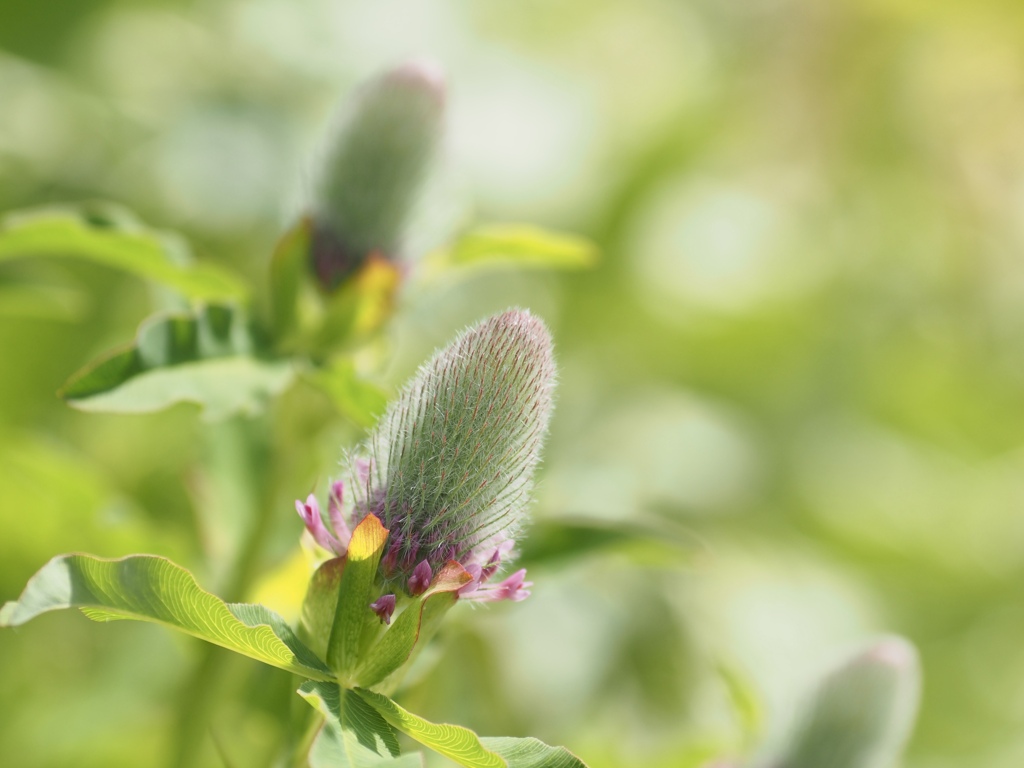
point(804, 347)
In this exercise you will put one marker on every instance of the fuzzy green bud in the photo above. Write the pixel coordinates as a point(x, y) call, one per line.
point(449, 468)
point(373, 169)
point(861, 714)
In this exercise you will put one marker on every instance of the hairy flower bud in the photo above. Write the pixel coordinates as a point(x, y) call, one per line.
point(861, 714)
point(452, 460)
point(449, 469)
point(373, 170)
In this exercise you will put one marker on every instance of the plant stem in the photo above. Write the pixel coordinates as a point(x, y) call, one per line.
point(304, 744)
point(239, 465)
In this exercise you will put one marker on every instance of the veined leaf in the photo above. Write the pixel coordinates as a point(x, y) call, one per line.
point(204, 357)
point(353, 612)
point(465, 747)
point(259, 615)
point(417, 621)
point(113, 238)
point(516, 245)
point(453, 741)
point(354, 735)
point(531, 753)
point(150, 588)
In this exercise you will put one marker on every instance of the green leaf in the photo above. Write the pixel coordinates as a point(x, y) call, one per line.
point(418, 621)
point(150, 588)
point(354, 397)
point(163, 341)
point(453, 741)
point(44, 301)
point(259, 615)
point(354, 735)
point(289, 266)
point(203, 357)
point(109, 236)
point(315, 324)
point(222, 387)
point(353, 615)
point(320, 605)
point(517, 245)
point(554, 540)
point(531, 753)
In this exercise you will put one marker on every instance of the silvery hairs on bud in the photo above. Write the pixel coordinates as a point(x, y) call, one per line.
point(449, 469)
point(861, 714)
point(373, 169)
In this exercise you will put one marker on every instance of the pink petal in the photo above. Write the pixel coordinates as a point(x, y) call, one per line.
point(337, 517)
point(472, 586)
point(310, 514)
point(513, 588)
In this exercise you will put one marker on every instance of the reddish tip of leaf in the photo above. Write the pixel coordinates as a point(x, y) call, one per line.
point(450, 578)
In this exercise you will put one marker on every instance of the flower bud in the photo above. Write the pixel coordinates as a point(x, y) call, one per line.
point(384, 607)
point(449, 468)
point(861, 714)
point(373, 169)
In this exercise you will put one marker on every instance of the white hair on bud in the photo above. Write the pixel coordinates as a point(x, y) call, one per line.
point(452, 459)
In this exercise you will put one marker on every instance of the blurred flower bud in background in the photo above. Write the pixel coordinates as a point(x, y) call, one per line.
point(335, 274)
point(861, 714)
point(373, 168)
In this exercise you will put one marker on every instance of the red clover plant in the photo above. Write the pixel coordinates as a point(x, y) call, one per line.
point(427, 510)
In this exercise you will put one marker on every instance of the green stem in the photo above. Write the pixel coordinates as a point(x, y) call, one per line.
point(300, 757)
point(239, 463)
